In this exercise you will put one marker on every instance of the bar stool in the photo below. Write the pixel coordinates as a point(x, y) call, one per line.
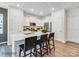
point(43, 45)
point(29, 44)
point(51, 38)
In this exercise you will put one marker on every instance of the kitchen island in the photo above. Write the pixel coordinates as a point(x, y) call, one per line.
point(17, 39)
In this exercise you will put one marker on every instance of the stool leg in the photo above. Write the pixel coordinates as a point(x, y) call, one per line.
point(47, 47)
point(20, 52)
point(53, 44)
point(41, 50)
point(24, 53)
point(43, 45)
point(30, 52)
point(49, 44)
point(36, 50)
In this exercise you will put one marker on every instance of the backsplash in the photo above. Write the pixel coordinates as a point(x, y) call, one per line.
point(32, 28)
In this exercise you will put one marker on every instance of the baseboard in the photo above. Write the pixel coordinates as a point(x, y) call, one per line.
point(3, 42)
point(73, 42)
point(60, 41)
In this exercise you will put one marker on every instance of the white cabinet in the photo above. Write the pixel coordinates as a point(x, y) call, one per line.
point(59, 25)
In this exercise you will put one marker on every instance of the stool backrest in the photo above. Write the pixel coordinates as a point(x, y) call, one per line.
point(44, 37)
point(51, 35)
point(30, 42)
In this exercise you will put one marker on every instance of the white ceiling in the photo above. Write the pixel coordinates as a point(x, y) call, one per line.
point(44, 7)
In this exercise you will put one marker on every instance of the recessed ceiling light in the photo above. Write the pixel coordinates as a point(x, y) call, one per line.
point(18, 5)
point(53, 9)
point(41, 13)
point(32, 10)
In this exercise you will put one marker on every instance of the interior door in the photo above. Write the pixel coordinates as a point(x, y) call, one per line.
point(3, 25)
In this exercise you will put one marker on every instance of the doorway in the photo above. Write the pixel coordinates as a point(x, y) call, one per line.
point(3, 25)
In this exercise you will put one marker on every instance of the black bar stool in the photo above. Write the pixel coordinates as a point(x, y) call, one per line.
point(29, 44)
point(51, 38)
point(42, 42)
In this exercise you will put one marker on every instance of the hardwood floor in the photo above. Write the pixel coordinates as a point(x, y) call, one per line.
point(68, 49)
point(5, 50)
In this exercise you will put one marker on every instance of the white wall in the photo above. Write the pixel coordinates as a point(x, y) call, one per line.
point(59, 22)
point(73, 25)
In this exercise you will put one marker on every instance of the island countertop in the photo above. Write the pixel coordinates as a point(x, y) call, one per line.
point(22, 36)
